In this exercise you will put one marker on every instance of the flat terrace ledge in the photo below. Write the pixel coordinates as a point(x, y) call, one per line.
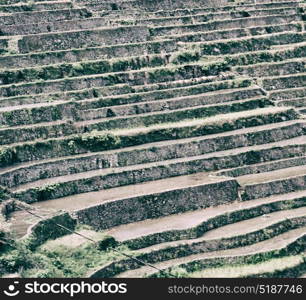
point(108, 208)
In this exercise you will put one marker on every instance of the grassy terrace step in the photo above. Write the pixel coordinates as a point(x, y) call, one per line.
point(95, 180)
point(224, 90)
point(21, 222)
point(147, 153)
point(252, 243)
point(217, 249)
point(35, 6)
point(273, 69)
point(293, 243)
point(67, 25)
point(91, 67)
point(82, 39)
point(25, 133)
point(137, 77)
point(96, 53)
point(206, 17)
point(286, 94)
point(284, 82)
point(161, 105)
point(221, 239)
point(20, 1)
point(275, 1)
point(232, 11)
point(250, 224)
point(172, 6)
point(31, 132)
point(226, 94)
point(56, 26)
point(165, 199)
point(225, 24)
point(249, 44)
point(287, 47)
point(60, 110)
point(285, 267)
point(235, 33)
point(263, 167)
point(101, 141)
point(273, 183)
point(265, 56)
point(81, 69)
point(44, 16)
point(302, 110)
point(35, 113)
point(193, 18)
point(147, 119)
point(122, 91)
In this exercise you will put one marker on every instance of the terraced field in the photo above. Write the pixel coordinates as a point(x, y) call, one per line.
point(171, 131)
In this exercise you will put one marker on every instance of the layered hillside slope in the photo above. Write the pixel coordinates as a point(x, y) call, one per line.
point(175, 127)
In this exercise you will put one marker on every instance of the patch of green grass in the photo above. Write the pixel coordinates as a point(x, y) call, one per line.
point(63, 261)
point(18, 257)
point(269, 266)
point(54, 260)
point(185, 57)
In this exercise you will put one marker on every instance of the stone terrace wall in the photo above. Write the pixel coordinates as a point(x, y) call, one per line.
point(139, 208)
